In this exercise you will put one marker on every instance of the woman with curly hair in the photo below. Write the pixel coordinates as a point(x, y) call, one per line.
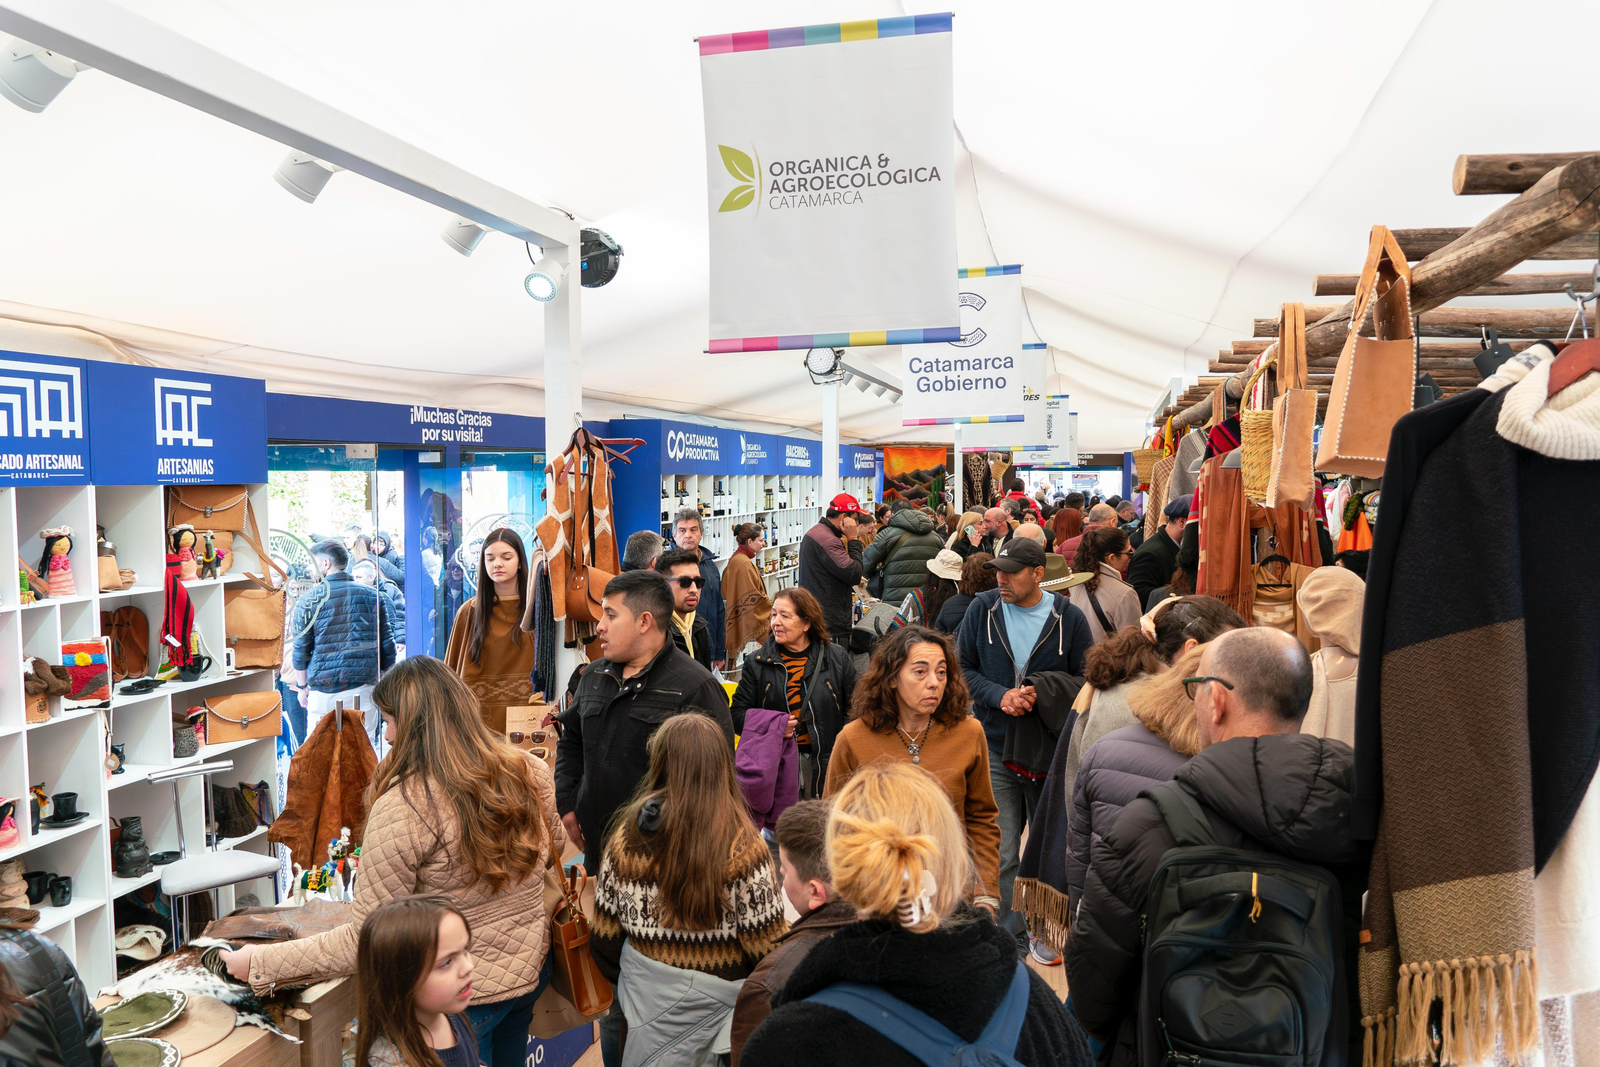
point(911, 706)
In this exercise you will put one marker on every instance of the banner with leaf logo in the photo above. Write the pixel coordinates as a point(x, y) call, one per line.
point(831, 185)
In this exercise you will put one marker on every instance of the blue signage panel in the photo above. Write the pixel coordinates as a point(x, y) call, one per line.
point(291, 417)
point(44, 420)
point(158, 426)
point(857, 462)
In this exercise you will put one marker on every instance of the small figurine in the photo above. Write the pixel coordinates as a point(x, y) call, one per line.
point(28, 595)
point(210, 556)
point(180, 542)
point(56, 565)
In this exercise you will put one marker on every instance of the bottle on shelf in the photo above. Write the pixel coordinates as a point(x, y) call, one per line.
point(769, 498)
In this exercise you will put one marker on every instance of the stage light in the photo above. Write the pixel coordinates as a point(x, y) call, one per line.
point(825, 365)
point(544, 281)
point(304, 176)
point(462, 234)
point(601, 258)
point(31, 77)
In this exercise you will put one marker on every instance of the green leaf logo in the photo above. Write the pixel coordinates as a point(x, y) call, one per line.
point(740, 197)
point(738, 163)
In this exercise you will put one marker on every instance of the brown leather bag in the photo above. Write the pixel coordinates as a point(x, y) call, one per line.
point(208, 507)
point(1294, 417)
point(586, 588)
point(578, 993)
point(129, 631)
point(243, 716)
point(1375, 382)
point(253, 616)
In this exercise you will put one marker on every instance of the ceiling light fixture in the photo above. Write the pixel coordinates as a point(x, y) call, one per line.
point(861, 384)
point(825, 365)
point(304, 176)
point(879, 390)
point(31, 77)
point(602, 256)
point(544, 281)
point(462, 234)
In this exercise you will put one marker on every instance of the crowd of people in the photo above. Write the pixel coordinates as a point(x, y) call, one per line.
point(849, 854)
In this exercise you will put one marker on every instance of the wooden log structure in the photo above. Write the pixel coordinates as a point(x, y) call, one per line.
point(1245, 351)
point(1561, 205)
point(1459, 321)
point(1505, 172)
point(1421, 243)
point(1505, 285)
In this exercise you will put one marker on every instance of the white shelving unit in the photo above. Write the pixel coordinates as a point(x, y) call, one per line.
point(787, 505)
point(65, 754)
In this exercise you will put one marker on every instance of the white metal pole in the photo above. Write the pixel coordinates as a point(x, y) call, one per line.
point(959, 472)
point(830, 442)
point(563, 371)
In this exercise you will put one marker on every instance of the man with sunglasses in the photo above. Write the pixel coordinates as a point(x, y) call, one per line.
point(689, 631)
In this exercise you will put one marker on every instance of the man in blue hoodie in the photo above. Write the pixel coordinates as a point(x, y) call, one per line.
point(1008, 634)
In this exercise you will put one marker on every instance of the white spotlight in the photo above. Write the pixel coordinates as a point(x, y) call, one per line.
point(879, 390)
point(462, 234)
point(304, 176)
point(544, 281)
point(31, 77)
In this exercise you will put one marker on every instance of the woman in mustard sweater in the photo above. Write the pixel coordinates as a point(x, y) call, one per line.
point(487, 646)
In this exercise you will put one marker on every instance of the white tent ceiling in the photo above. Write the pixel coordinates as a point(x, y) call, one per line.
point(1163, 173)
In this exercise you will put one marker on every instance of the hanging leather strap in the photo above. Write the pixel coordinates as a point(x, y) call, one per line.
point(254, 540)
point(1291, 347)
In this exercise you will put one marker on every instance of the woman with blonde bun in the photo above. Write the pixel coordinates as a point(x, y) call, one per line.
point(898, 854)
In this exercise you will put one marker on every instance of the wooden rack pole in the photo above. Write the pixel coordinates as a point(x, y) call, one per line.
point(1458, 321)
point(1421, 243)
point(1505, 285)
point(1245, 351)
point(1505, 172)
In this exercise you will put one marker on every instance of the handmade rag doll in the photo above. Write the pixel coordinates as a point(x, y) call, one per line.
point(56, 564)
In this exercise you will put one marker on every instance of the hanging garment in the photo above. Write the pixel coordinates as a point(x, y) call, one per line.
point(1223, 438)
point(1191, 450)
point(1357, 536)
point(1273, 601)
point(1155, 502)
point(1330, 600)
point(1293, 532)
point(1224, 537)
point(328, 780)
point(1490, 721)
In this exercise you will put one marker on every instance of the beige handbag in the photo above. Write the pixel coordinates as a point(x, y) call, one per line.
point(578, 993)
point(253, 615)
point(208, 507)
point(1294, 417)
point(1375, 382)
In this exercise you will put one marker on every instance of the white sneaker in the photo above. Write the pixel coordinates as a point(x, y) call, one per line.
point(1043, 954)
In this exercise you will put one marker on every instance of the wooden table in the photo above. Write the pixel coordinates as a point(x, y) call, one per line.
point(248, 1046)
point(332, 1005)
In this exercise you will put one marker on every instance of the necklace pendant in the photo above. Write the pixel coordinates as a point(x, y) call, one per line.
point(915, 758)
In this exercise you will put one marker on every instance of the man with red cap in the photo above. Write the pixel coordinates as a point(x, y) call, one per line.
point(830, 563)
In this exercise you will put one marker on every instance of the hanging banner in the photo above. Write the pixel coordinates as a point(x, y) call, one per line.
point(176, 427)
point(974, 378)
point(44, 426)
point(1027, 432)
point(1060, 444)
point(831, 185)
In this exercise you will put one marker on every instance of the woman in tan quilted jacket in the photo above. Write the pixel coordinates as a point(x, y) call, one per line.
point(454, 810)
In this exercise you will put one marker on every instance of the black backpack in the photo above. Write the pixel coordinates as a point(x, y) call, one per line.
point(1243, 959)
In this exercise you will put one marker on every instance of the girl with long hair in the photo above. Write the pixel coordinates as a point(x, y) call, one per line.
point(897, 853)
point(688, 900)
point(455, 810)
point(487, 646)
point(414, 968)
point(1105, 599)
point(911, 706)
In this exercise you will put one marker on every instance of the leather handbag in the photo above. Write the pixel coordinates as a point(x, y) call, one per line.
point(208, 507)
point(1294, 417)
point(578, 993)
point(110, 576)
point(586, 588)
point(129, 631)
point(1375, 382)
point(253, 615)
point(243, 717)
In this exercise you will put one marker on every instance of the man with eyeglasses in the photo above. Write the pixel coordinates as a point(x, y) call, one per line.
point(689, 631)
point(1260, 784)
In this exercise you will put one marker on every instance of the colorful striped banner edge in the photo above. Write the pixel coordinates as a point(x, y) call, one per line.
point(989, 272)
point(824, 33)
point(973, 420)
point(857, 339)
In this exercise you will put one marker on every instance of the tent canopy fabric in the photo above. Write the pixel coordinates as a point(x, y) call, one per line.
point(1163, 175)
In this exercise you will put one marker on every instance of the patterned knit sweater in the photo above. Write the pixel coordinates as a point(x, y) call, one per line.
point(625, 909)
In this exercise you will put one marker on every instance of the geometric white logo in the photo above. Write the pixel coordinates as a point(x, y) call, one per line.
point(178, 405)
point(49, 401)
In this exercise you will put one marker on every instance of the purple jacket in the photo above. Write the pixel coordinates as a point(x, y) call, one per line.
point(767, 765)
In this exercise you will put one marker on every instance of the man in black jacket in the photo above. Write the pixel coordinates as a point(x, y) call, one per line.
point(687, 532)
point(830, 564)
point(689, 631)
point(642, 681)
point(1157, 558)
point(1262, 785)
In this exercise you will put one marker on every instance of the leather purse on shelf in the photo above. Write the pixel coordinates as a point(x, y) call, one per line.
point(1375, 382)
point(243, 717)
point(253, 614)
point(578, 993)
point(129, 631)
point(1294, 417)
point(208, 507)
